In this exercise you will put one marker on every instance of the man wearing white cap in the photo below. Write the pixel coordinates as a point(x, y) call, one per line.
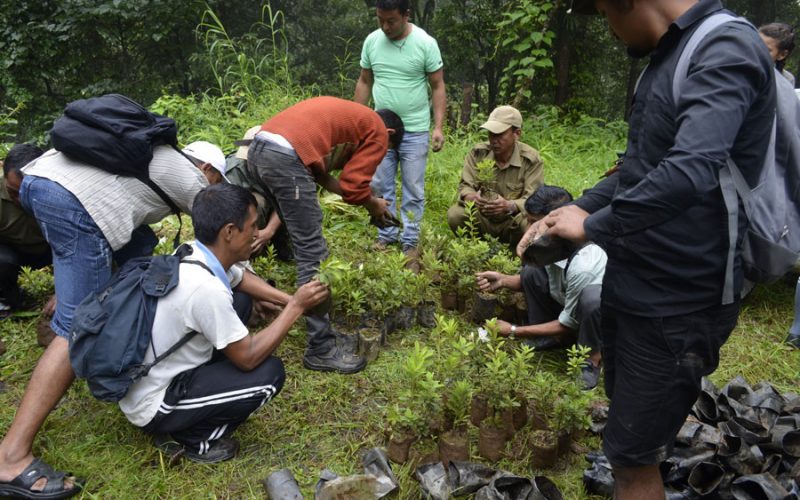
point(517, 174)
point(91, 219)
point(209, 159)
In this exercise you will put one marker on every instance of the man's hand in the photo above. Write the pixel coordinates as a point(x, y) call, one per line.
point(534, 231)
point(567, 222)
point(309, 295)
point(504, 327)
point(499, 206)
point(489, 281)
point(262, 238)
point(474, 198)
point(437, 140)
point(380, 215)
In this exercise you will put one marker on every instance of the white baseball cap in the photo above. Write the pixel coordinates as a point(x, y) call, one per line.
point(207, 153)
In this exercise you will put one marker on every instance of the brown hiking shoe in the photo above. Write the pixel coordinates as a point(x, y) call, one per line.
point(44, 334)
point(381, 245)
point(412, 254)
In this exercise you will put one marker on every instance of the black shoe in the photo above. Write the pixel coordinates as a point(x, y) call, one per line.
point(220, 450)
point(793, 340)
point(590, 374)
point(335, 359)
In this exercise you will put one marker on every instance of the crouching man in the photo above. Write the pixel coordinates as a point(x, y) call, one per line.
point(204, 390)
point(563, 298)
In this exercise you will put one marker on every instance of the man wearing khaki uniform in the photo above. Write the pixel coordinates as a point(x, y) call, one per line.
point(518, 173)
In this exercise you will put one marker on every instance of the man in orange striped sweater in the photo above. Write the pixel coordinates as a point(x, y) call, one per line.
point(299, 148)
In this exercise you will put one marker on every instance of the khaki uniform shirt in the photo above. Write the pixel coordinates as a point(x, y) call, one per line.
point(515, 182)
point(17, 228)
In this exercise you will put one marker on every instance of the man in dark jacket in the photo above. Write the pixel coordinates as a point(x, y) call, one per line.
point(661, 219)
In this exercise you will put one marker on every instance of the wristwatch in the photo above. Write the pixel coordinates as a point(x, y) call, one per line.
point(513, 332)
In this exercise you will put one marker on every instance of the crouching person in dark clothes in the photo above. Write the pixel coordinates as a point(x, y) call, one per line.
point(204, 390)
point(563, 298)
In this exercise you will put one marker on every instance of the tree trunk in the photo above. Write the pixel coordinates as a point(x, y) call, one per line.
point(466, 103)
point(562, 57)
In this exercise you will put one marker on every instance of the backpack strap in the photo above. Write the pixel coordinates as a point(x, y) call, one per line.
point(182, 251)
point(731, 180)
point(706, 26)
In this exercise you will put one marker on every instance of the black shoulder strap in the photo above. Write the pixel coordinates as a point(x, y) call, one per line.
point(171, 204)
point(182, 251)
point(177, 345)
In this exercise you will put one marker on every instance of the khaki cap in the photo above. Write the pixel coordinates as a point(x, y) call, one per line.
point(502, 118)
point(241, 153)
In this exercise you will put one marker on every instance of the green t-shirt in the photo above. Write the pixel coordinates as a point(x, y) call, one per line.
point(400, 74)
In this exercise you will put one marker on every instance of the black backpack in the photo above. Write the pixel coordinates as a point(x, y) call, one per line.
point(116, 134)
point(112, 329)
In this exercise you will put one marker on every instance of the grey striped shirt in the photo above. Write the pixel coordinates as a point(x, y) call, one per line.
point(117, 204)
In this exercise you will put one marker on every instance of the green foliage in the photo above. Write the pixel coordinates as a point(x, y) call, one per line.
point(495, 380)
point(53, 52)
point(419, 399)
point(332, 271)
point(464, 257)
point(570, 409)
point(249, 64)
point(37, 282)
point(485, 173)
point(7, 124)
point(459, 399)
point(523, 33)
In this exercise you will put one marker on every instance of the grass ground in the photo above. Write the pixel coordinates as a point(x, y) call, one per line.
point(327, 421)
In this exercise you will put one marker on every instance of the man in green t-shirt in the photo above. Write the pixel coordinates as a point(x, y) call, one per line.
point(399, 62)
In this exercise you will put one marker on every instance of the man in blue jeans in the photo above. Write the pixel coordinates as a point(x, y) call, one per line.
point(398, 63)
point(90, 219)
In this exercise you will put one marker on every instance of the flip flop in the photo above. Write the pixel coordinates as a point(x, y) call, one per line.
point(20, 486)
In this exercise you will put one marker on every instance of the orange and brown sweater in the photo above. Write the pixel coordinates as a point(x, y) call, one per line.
point(328, 133)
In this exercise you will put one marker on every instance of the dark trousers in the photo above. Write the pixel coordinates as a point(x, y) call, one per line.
point(653, 370)
point(211, 401)
point(295, 193)
point(543, 308)
point(11, 262)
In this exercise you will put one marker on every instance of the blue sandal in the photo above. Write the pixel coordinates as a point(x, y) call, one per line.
point(20, 486)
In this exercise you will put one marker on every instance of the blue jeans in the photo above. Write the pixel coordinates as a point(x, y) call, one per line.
point(412, 157)
point(82, 257)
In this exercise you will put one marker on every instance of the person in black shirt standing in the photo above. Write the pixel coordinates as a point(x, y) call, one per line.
point(662, 221)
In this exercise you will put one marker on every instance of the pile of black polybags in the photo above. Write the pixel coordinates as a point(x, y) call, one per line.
point(740, 442)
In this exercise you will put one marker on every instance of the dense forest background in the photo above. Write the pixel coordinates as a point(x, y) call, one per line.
point(527, 52)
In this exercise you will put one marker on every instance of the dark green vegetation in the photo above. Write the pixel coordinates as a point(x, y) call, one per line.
point(495, 52)
point(244, 64)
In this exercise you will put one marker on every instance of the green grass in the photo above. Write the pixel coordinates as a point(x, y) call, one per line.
point(327, 421)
